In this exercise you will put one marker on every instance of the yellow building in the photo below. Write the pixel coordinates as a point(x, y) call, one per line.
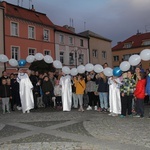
point(99, 48)
point(133, 45)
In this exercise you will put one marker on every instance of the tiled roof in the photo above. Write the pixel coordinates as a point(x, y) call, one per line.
point(135, 40)
point(63, 29)
point(26, 14)
point(92, 34)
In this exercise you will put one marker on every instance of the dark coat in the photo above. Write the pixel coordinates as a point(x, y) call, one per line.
point(5, 91)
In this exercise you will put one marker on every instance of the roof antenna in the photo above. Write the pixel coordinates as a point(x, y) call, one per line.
point(21, 3)
point(84, 25)
point(72, 23)
point(30, 3)
point(18, 2)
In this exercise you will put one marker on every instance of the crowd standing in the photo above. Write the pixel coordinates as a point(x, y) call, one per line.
point(117, 96)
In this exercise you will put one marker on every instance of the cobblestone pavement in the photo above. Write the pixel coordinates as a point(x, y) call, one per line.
point(49, 129)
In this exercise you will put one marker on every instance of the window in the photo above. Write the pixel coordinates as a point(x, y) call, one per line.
point(95, 53)
point(62, 57)
point(61, 39)
point(15, 53)
point(81, 42)
point(116, 58)
point(71, 58)
point(46, 35)
point(14, 29)
point(70, 40)
point(47, 52)
point(31, 32)
point(146, 42)
point(104, 54)
point(126, 57)
point(127, 45)
point(31, 51)
point(81, 58)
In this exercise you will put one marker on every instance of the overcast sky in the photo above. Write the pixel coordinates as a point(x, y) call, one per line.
point(114, 19)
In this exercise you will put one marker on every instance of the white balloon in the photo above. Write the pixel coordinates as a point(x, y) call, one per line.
point(66, 70)
point(13, 62)
point(125, 66)
point(48, 59)
point(57, 64)
point(145, 54)
point(30, 58)
point(81, 69)
point(108, 72)
point(39, 56)
point(134, 60)
point(3, 58)
point(98, 68)
point(74, 71)
point(89, 67)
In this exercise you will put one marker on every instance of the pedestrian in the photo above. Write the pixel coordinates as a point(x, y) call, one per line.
point(65, 82)
point(127, 90)
point(90, 90)
point(15, 93)
point(139, 94)
point(103, 89)
point(47, 89)
point(114, 96)
point(80, 88)
point(148, 88)
point(74, 96)
point(57, 94)
point(25, 90)
point(5, 95)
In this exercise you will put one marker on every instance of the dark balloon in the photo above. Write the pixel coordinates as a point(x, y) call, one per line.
point(22, 62)
point(117, 72)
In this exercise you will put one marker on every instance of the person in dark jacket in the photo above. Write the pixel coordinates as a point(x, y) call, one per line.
point(139, 94)
point(103, 89)
point(47, 89)
point(5, 95)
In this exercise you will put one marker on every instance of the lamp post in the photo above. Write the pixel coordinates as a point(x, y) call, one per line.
point(77, 53)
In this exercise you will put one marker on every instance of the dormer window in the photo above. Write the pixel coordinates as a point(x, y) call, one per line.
point(146, 42)
point(127, 45)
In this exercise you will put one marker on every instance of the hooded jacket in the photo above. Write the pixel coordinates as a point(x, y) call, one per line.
point(140, 89)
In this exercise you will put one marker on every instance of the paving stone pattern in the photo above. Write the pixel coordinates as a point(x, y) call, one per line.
point(49, 129)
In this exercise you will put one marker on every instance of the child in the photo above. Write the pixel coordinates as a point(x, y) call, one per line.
point(5, 95)
point(47, 89)
point(139, 94)
point(57, 93)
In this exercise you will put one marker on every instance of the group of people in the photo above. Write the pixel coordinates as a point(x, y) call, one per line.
point(116, 95)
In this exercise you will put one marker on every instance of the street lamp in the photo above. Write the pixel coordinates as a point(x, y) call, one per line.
point(78, 57)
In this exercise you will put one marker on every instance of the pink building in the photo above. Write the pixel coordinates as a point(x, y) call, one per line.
point(27, 32)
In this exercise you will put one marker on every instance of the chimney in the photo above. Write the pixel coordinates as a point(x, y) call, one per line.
point(118, 42)
point(32, 8)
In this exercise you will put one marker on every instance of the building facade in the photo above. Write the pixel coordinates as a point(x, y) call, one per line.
point(133, 45)
point(27, 32)
point(2, 65)
point(70, 48)
point(99, 48)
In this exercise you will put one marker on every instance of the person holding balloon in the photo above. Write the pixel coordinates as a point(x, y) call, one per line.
point(114, 95)
point(103, 89)
point(127, 90)
point(80, 88)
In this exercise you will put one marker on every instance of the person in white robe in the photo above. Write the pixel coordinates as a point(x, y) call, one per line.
point(25, 91)
point(114, 96)
point(65, 82)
